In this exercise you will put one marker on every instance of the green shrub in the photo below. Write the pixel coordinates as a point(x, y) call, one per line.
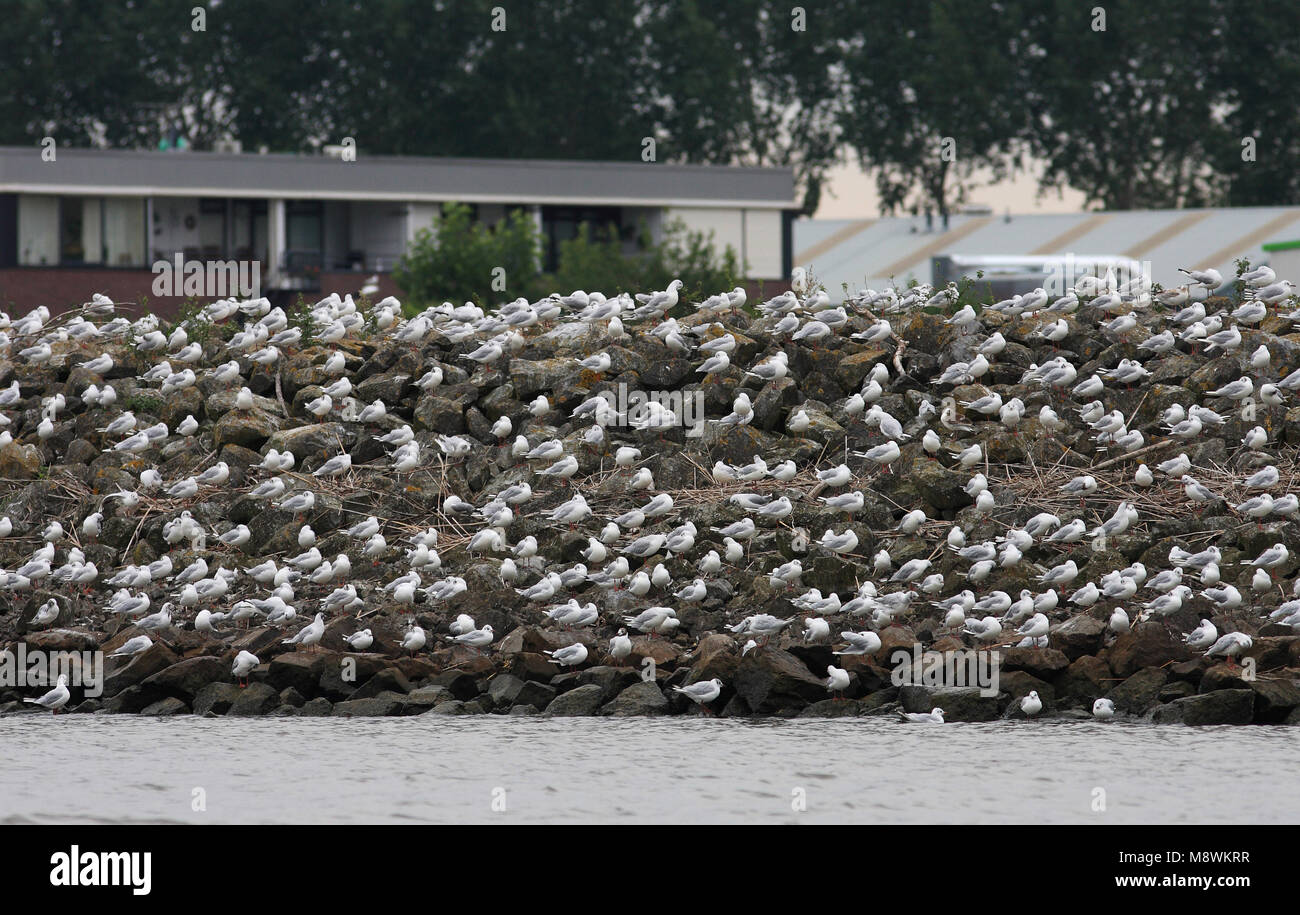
point(460, 260)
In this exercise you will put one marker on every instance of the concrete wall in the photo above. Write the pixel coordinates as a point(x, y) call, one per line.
point(1286, 263)
point(420, 216)
point(755, 235)
point(762, 251)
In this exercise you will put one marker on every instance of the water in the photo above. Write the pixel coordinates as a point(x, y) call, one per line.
point(434, 769)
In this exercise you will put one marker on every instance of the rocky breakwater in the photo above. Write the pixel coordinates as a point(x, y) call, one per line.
point(857, 491)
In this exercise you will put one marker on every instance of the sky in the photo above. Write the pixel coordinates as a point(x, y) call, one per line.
point(850, 193)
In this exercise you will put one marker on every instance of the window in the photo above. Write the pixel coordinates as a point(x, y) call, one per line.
point(248, 230)
point(77, 231)
point(123, 232)
point(212, 228)
point(38, 230)
point(560, 224)
point(80, 230)
point(303, 225)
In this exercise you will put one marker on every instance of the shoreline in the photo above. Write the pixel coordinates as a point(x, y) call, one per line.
point(1148, 672)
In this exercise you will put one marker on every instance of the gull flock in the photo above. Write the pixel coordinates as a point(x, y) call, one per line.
point(1103, 473)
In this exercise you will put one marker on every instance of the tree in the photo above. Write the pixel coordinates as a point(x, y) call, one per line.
point(598, 261)
point(932, 98)
point(87, 74)
point(1261, 105)
point(1128, 114)
point(741, 82)
point(461, 260)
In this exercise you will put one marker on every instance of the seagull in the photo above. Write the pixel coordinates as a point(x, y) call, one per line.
point(479, 638)
point(132, 647)
point(569, 656)
point(934, 716)
point(1230, 645)
point(414, 639)
point(860, 643)
point(56, 698)
point(360, 641)
point(701, 693)
point(309, 635)
point(243, 665)
point(837, 679)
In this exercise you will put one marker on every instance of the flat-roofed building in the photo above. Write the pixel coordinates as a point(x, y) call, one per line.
point(101, 220)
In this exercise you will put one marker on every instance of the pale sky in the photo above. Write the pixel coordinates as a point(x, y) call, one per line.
point(850, 193)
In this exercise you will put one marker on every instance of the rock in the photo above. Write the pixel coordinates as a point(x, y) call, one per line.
point(390, 679)
point(132, 699)
point(340, 680)
point(249, 428)
point(852, 370)
point(1139, 692)
point(611, 680)
point(1221, 676)
point(1274, 699)
point(532, 377)
point(378, 706)
point(578, 702)
point(834, 708)
point(62, 640)
point(20, 462)
point(385, 386)
point(440, 415)
point(216, 697)
point(164, 707)
point(1043, 663)
point(1077, 636)
point(941, 488)
point(639, 699)
point(507, 690)
point(255, 699)
point(1225, 706)
point(427, 697)
point(157, 657)
point(295, 670)
point(1016, 684)
point(186, 678)
point(460, 684)
point(771, 680)
point(456, 707)
point(311, 440)
point(1147, 645)
point(959, 703)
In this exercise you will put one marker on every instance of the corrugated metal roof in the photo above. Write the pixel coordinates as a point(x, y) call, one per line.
point(1169, 239)
point(394, 178)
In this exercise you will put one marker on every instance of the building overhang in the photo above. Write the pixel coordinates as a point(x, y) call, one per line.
point(393, 179)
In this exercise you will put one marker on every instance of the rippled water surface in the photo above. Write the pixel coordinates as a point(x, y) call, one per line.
point(434, 769)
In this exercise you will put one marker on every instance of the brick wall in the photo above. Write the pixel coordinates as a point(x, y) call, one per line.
point(24, 288)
